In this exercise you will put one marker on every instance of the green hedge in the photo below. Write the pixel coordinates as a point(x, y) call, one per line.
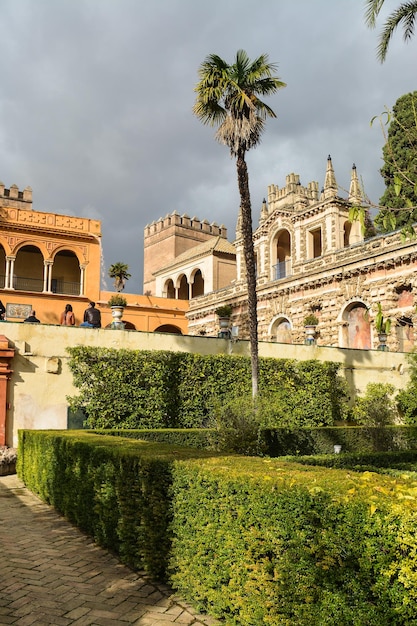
point(358, 439)
point(200, 438)
point(258, 542)
point(254, 541)
point(283, 442)
point(114, 489)
point(394, 463)
point(156, 389)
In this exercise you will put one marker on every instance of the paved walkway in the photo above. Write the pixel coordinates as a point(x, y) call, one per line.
point(50, 573)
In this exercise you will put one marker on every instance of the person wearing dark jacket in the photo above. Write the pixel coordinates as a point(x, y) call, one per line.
point(92, 317)
point(32, 319)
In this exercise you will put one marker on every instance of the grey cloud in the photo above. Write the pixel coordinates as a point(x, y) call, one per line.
point(96, 106)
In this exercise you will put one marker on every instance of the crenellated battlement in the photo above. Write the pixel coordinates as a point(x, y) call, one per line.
point(184, 221)
point(293, 188)
point(14, 198)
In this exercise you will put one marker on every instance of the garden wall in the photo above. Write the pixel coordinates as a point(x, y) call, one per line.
point(41, 380)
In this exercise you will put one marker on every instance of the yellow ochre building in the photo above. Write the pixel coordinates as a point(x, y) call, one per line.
point(49, 260)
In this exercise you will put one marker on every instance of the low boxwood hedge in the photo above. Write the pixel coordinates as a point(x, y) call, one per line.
point(200, 438)
point(358, 439)
point(251, 540)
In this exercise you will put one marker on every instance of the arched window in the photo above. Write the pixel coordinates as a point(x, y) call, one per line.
point(66, 273)
point(183, 289)
point(197, 287)
point(347, 227)
point(281, 255)
point(405, 334)
point(28, 269)
point(2, 267)
point(170, 289)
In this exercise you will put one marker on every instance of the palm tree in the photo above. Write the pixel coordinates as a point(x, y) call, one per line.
point(120, 273)
point(227, 97)
point(405, 14)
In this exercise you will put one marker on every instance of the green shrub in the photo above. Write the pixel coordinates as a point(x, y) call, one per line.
point(237, 425)
point(377, 407)
point(156, 389)
point(114, 489)
point(407, 398)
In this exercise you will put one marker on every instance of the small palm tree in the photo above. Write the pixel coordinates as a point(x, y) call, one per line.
point(405, 14)
point(120, 273)
point(227, 97)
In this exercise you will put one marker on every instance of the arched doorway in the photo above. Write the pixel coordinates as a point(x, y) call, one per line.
point(168, 328)
point(357, 328)
point(281, 330)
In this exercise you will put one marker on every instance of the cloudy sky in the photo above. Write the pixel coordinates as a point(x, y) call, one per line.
point(96, 104)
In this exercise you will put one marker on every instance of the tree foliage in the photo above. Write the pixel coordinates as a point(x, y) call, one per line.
point(228, 97)
point(407, 398)
point(399, 171)
point(404, 15)
point(377, 407)
point(120, 272)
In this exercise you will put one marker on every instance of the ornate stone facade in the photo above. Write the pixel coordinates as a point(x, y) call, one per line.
point(311, 258)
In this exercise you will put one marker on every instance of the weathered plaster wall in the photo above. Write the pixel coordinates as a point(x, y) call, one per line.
point(41, 379)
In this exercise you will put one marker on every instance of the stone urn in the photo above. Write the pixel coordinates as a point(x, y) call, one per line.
point(117, 314)
point(382, 346)
point(224, 323)
point(310, 338)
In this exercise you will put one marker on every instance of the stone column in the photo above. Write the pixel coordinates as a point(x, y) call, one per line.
point(6, 354)
point(47, 276)
point(9, 272)
point(82, 279)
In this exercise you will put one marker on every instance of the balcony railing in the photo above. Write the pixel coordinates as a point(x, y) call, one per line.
point(281, 270)
point(21, 283)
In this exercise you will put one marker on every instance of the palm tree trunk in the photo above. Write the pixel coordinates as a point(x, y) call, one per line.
point(245, 203)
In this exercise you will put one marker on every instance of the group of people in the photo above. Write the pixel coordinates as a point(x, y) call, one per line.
point(92, 316)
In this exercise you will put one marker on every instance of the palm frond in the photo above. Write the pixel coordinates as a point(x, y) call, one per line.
point(404, 15)
point(373, 8)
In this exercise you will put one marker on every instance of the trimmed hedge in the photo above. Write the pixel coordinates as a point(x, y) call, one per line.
point(156, 389)
point(114, 489)
point(258, 542)
point(358, 439)
point(200, 438)
point(394, 463)
point(283, 442)
point(254, 541)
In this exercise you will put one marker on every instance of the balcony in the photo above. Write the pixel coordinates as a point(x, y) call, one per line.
point(21, 283)
point(281, 270)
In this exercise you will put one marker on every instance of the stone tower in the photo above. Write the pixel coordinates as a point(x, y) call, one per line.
point(167, 238)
